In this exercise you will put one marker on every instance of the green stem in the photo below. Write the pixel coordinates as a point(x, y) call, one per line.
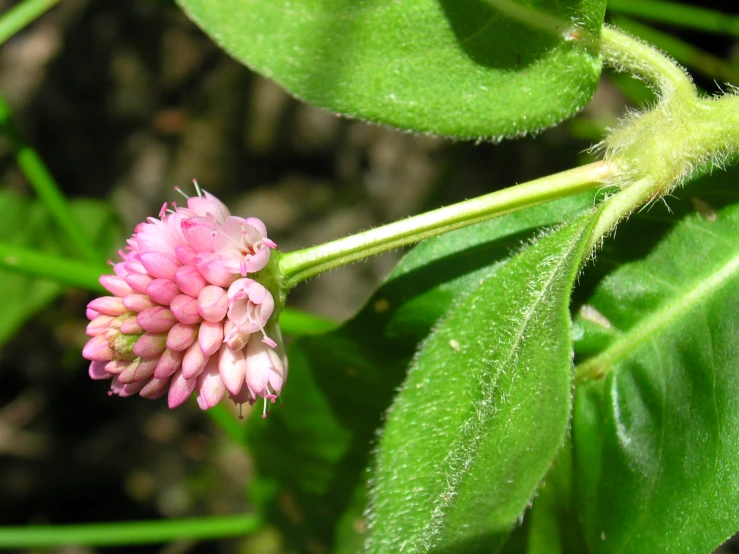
point(54, 268)
point(620, 206)
point(631, 55)
point(46, 187)
point(309, 262)
point(699, 60)
point(140, 532)
point(21, 15)
point(613, 210)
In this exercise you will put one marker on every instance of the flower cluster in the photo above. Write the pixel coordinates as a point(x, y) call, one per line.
point(184, 316)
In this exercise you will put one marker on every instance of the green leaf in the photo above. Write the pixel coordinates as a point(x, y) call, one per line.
point(484, 409)
point(26, 223)
point(550, 525)
point(656, 439)
point(297, 322)
point(312, 454)
point(464, 69)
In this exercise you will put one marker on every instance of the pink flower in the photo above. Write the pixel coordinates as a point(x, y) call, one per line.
point(182, 316)
point(242, 245)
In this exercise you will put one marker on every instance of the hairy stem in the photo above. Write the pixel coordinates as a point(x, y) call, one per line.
point(619, 207)
point(628, 54)
point(309, 262)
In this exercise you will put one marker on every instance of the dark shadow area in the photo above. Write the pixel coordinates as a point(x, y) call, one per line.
point(492, 39)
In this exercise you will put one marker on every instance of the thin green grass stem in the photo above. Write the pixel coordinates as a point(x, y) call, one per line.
point(55, 268)
point(22, 15)
point(682, 15)
point(127, 533)
point(46, 187)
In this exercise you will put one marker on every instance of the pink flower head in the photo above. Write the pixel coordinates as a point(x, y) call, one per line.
point(182, 316)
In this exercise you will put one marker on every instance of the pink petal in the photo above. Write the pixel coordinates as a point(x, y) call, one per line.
point(138, 282)
point(213, 303)
point(258, 260)
point(145, 369)
point(128, 375)
point(99, 325)
point(124, 390)
point(234, 337)
point(150, 345)
point(154, 388)
point(211, 267)
point(129, 326)
point(160, 265)
point(193, 362)
point(180, 390)
point(155, 236)
point(198, 233)
point(109, 305)
point(210, 337)
point(116, 367)
point(115, 285)
point(98, 349)
point(135, 266)
point(208, 205)
point(189, 280)
point(97, 370)
point(162, 291)
point(156, 320)
point(265, 373)
point(258, 225)
point(210, 386)
point(185, 255)
point(137, 302)
point(185, 309)
point(169, 362)
point(181, 336)
point(232, 367)
point(119, 269)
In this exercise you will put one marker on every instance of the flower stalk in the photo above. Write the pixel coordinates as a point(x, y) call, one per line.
point(303, 264)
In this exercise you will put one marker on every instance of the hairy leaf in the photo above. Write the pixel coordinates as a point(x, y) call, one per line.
point(484, 409)
point(465, 69)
